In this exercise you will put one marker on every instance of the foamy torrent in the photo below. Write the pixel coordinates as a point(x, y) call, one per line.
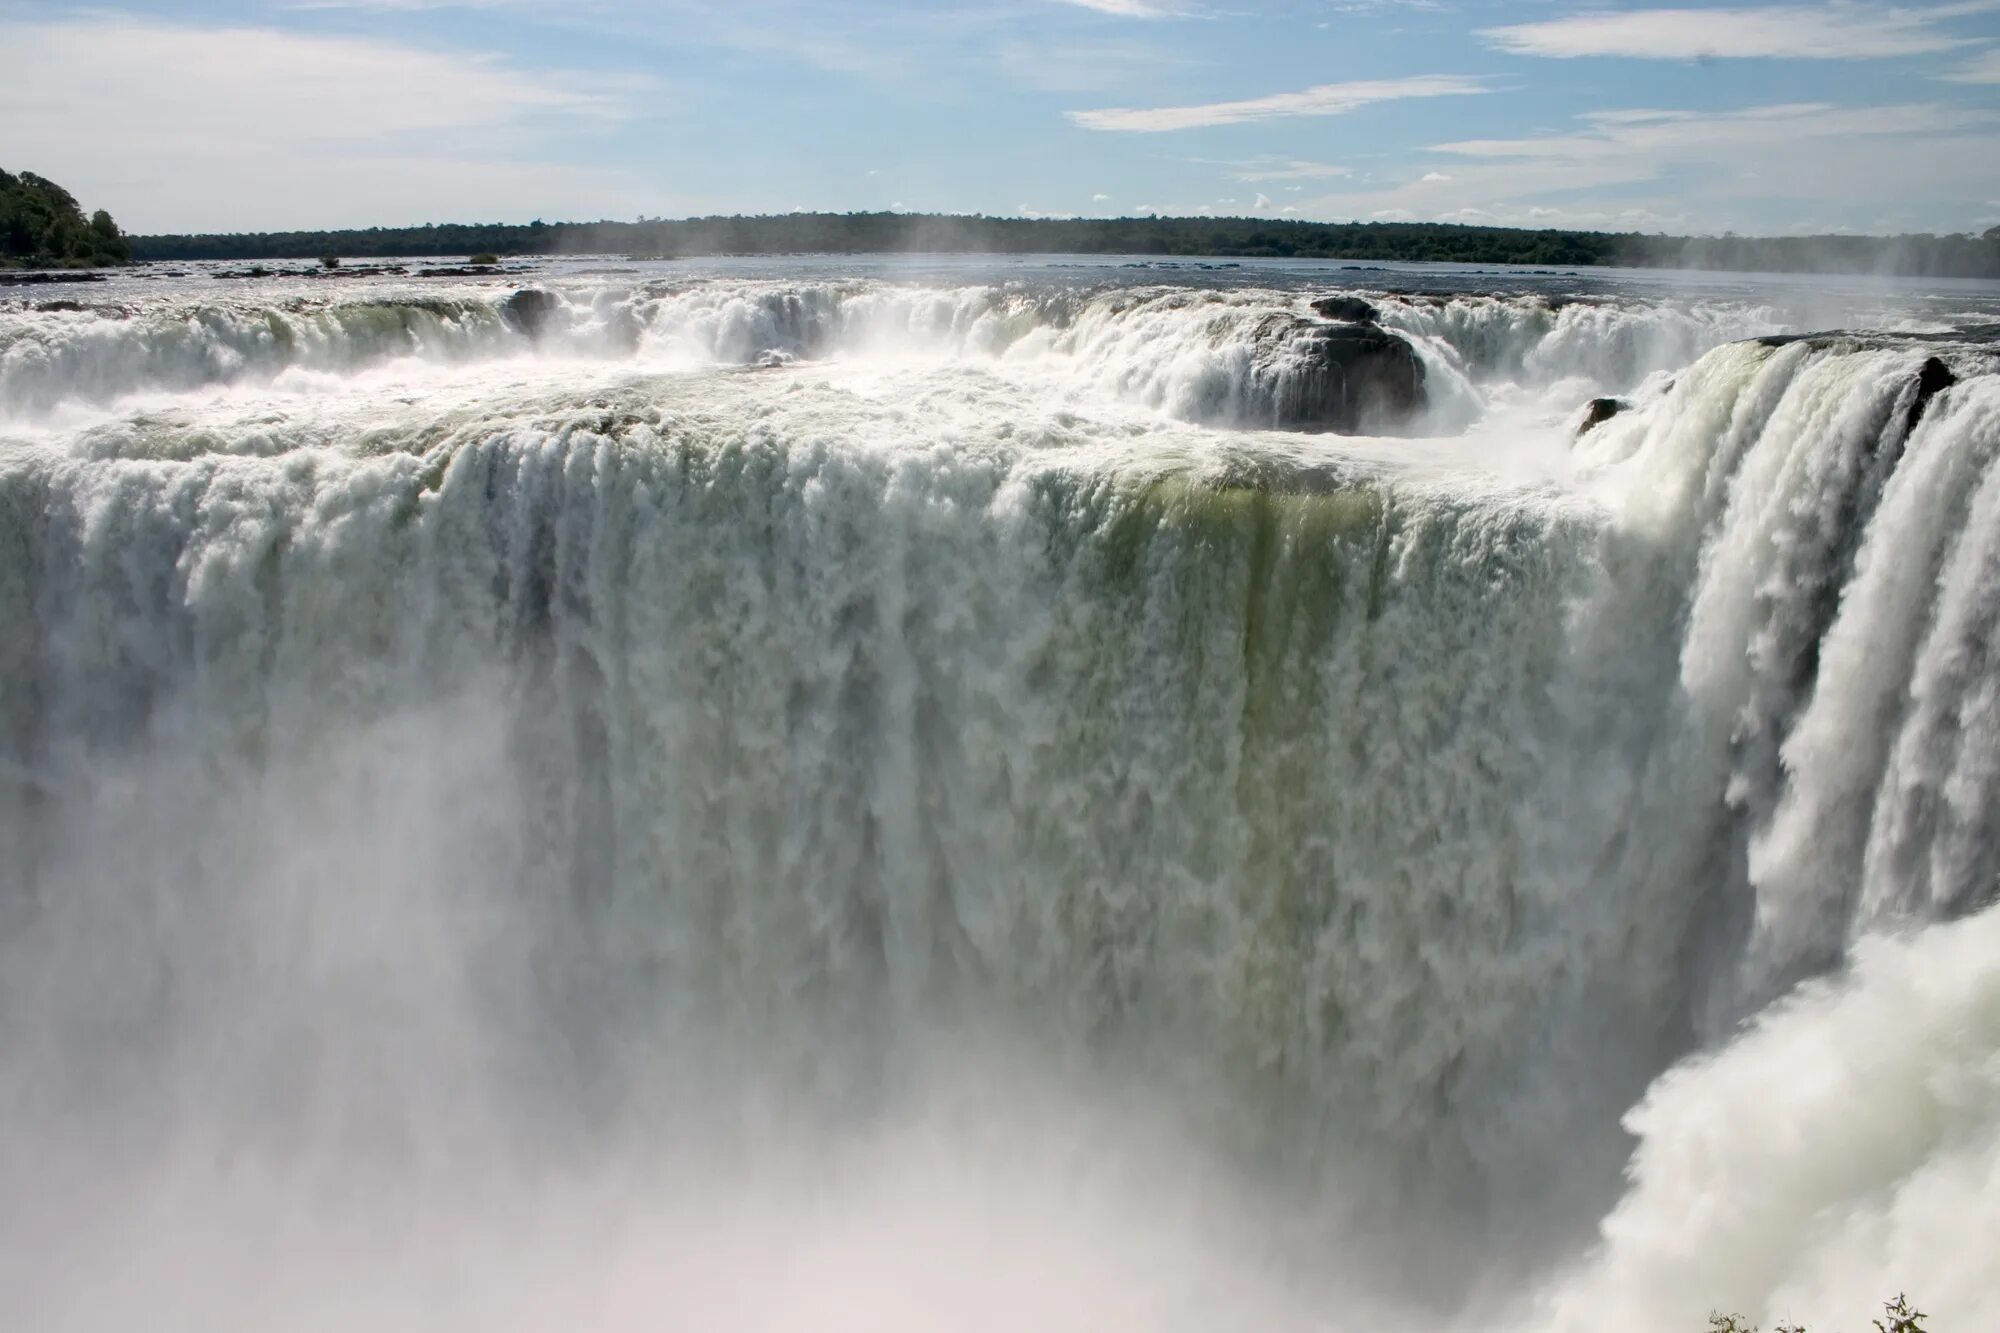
point(597, 818)
point(1847, 1148)
point(1189, 351)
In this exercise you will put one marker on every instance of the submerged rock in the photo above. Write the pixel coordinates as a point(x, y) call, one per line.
point(529, 310)
point(1347, 309)
point(1599, 411)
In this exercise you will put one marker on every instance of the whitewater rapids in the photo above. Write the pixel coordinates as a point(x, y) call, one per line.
point(775, 801)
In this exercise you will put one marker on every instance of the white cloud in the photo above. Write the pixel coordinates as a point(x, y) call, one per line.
point(1327, 99)
point(1132, 9)
point(1254, 169)
point(1433, 176)
point(1377, 6)
point(1263, 202)
point(248, 128)
point(399, 6)
point(1100, 199)
point(1812, 32)
point(1752, 168)
point(1633, 135)
point(1982, 68)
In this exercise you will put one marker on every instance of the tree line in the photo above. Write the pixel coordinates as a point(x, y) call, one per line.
point(42, 226)
point(879, 233)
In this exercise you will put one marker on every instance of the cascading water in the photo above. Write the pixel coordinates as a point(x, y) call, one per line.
point(753, 802)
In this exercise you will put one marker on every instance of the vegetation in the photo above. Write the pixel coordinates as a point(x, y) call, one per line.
point(484, 260)
point(880, 233)
point(42, 226)
point(1898, 1316)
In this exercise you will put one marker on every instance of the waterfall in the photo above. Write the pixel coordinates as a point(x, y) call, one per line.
point(422, 771)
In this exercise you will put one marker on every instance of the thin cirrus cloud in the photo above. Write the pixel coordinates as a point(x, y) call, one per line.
point(1803, 32)
point(1327, 99)
point(1132, 9)
point(1629, 136)
point(1270, 168)
point(1682, 167)
point(1982, 68)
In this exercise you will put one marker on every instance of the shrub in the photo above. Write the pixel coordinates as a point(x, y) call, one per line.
point(1899, 1317)
point(1902, 1318)
point(483, 260)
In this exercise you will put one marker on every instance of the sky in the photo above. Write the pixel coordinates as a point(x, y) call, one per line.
point(246, 115)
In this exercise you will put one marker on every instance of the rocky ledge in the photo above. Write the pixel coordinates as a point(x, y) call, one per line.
point(1348, 376)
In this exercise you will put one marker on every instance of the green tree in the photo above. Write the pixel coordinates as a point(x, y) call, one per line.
point(41, 225)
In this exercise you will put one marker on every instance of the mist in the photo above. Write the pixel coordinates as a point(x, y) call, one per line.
point(323, 1041)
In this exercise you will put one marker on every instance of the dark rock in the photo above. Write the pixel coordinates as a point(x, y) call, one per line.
point(465, 271)
point(36, 277)
point(1411, 296)
point(1599, 411)
point(1933, 378)
point(529, 310)
point(61, 307)
point(1349, 309)
point(1346, 378)
point(318, 272)
point(357, 271)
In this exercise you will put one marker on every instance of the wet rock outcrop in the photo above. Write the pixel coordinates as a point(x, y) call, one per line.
point(1597, 412)
point(43, 277)
point(1933, 378)
point(1346, 378)
point(1346, 309)
point(530, 310)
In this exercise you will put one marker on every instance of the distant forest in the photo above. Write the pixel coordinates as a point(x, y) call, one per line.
point(42, 226)
point(877, 233)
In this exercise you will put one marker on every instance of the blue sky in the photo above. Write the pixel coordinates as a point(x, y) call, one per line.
point(254, 114)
